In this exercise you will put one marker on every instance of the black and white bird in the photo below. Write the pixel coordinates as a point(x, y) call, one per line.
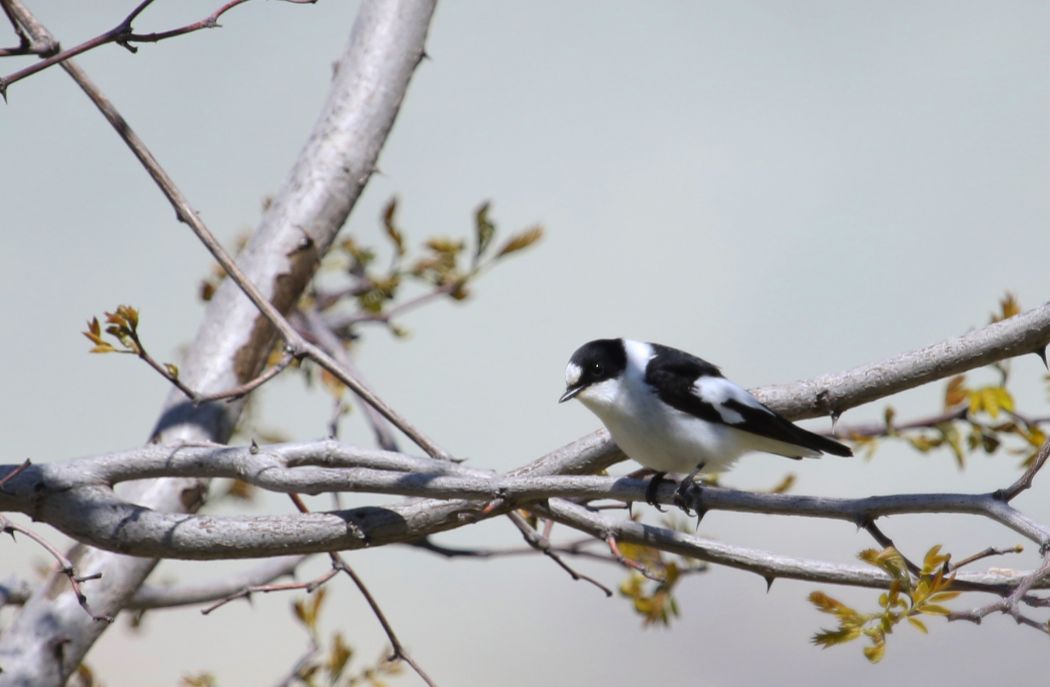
point(674, 412)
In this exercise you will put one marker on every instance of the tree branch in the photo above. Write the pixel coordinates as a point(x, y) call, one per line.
point(76, 498)
point(384, 48)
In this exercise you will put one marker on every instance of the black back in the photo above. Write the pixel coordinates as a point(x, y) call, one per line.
point(672, 373)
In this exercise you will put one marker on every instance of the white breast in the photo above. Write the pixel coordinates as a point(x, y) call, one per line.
point(654, 434)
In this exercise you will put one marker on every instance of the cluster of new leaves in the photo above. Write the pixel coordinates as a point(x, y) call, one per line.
point(907, 598)
point(975, 417)
point(329, 666)
point(446, 265)
point(122, 327)
point(652, 592)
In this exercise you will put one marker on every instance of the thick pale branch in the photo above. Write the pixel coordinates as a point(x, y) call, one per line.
point(834, 393)
point(77, 498)
point(232, 343)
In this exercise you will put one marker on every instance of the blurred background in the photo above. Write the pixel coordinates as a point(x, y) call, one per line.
point(783, 189)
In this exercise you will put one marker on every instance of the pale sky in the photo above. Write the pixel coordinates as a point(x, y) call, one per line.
point(784, 189)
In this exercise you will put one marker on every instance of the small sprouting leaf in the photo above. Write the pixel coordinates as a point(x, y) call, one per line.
point(338, 657)
point(875, 652)
point(172, 370)
point(396, 237)
point(918, 625)
point(440, 244)
point(484, 230)
point(94, 331)
point(308, 610)
point(888, 415)
point(924, 443)
point(829, 638)
point(944, 596)
point(951, 436)
point(1008, 307)
point(933, 559)
point(521, 241)
point(956, 391)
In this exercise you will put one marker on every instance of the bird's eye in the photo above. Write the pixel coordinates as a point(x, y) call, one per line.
point(597, 369)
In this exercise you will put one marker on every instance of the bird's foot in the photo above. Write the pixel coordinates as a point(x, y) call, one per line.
point(650, 491)
point(689, 496)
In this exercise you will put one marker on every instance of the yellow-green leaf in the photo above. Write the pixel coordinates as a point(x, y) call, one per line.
point(484, 229)
point(392, 231)
point(876, 652)
point(521, 241)
point(918, 625)
point(956, 391)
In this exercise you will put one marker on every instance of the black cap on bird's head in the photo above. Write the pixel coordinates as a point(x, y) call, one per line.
point(593, 362)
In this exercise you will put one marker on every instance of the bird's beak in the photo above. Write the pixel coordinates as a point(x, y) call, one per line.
point(570, 393)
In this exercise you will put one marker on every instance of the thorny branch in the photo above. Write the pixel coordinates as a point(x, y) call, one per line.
point(122, 34)
point(1011, 603)
point(339, 564)
point(65, 566)
point(385, 47)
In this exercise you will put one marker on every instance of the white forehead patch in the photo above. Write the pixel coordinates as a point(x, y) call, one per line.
point(572, 374)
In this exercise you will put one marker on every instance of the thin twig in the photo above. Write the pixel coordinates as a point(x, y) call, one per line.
point(15, 472)
point(1025, 480)
point(295, 343)
point(1010, 605)
point(65, 566)
point(246, 592)
point(340, 565)
point(244, 389)
point(987, 553)
point(386, 316)
point(623, 560)
point(541, 543)
point(121, 34)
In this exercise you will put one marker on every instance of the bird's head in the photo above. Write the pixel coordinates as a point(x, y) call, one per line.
point(594, 371)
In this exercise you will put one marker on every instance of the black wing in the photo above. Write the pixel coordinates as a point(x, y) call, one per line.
point(765, 422)
point(673, 375)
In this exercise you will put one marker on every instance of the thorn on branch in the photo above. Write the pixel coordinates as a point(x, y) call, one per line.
point(65, 566)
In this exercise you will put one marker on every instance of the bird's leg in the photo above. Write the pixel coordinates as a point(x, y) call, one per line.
point(650, 491)
point(682, 496)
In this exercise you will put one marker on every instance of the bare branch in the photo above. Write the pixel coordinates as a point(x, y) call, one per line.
point(834, 394)
point(339, 564)
point(76, 498)
point(1010, 605)
point(1025, 480)
point(247, 591)
point(65, 566)
point(232, 344)
point(542, 544)
point(122, 34)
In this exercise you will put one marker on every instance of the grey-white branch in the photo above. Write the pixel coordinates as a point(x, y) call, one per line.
point(78, 496)
point(133, 508)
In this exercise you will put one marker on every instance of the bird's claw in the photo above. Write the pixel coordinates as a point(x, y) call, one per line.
point(650, 491)
point(689, 496)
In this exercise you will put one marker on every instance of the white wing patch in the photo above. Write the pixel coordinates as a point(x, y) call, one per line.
point(717, 390)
